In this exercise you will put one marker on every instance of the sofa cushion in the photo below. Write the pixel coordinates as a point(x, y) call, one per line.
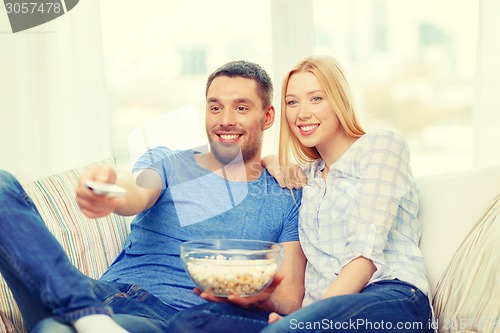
point(91, 244)
point(466, 297)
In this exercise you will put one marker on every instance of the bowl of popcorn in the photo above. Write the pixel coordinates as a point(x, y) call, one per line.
point(231, 266)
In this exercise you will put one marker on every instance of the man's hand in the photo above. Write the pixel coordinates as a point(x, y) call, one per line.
point(262, 300)
point(94, 205)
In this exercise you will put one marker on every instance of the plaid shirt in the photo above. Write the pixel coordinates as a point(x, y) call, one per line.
point(367, 206)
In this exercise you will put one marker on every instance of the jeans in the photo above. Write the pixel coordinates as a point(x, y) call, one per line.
point(218, 318)
point(49, 290)
point(386, 306)
point(132, 308)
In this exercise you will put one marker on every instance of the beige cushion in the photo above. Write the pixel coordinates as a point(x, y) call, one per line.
point(467, 294)
point(91, 244)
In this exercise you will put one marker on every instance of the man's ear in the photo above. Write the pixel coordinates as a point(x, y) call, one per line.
point(268, 118)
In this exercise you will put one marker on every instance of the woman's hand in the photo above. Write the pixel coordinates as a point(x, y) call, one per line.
point(289, 177)
point(273, 317)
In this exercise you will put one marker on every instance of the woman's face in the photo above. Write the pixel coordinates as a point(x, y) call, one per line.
point(309, 113)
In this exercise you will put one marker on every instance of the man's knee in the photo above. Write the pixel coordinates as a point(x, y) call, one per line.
point(10, 188)
point(7, 182)
point(7, 178)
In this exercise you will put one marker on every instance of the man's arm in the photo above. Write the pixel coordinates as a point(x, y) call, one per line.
point(143, 190)
point(137, 198)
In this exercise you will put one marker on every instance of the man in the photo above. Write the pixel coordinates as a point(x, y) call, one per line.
point(177, 196)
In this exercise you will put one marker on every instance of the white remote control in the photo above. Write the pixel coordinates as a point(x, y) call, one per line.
point(110, 190)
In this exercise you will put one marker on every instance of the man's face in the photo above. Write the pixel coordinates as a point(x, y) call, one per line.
point(235, 119)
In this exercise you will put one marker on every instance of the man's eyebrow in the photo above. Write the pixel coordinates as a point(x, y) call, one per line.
point(243, 100)
point(213, 100)
point(235, 101)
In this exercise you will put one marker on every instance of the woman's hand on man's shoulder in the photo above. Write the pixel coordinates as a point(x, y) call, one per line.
point(291, 176)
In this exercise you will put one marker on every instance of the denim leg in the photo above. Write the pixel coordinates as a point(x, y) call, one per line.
point(134, 324)
point(386, 306)
point(35, 266)
point(218, 318)
point(134, 308)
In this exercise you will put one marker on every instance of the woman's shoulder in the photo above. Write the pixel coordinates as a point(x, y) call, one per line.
point(384, 133)
point(383, 146)
point(384, 138)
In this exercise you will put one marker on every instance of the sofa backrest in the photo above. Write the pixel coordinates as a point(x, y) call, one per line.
point(450, 206)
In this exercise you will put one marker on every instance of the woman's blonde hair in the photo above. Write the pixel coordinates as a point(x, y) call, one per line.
point(332, 79)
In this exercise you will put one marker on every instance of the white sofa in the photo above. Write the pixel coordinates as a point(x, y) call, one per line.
point(450, 205)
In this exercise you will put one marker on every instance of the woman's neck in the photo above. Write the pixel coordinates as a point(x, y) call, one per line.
point(332, 152)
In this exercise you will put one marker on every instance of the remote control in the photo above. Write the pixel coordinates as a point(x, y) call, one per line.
point(110, 190)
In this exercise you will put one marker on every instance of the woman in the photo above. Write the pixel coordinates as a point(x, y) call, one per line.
point(358, 221)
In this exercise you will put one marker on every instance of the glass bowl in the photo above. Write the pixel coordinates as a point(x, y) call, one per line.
point(231, 266)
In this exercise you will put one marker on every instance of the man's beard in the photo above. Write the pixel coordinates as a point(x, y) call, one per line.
point(231, 153)
point(226, 153)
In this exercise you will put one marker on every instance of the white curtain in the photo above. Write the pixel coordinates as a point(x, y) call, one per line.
point(293, 39)
point(487, 94)
point(53, 109)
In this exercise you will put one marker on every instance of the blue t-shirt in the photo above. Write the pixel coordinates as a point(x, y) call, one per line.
point(195, 203)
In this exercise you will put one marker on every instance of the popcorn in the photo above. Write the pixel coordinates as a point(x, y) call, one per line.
point(221, 276)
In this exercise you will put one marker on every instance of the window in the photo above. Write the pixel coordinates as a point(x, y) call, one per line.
point(412, 68)
point(158, 57)
point(428, 69)
point(411, 64)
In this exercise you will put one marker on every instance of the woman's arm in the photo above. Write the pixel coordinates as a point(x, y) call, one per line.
point(289, 294)
point(352, 278)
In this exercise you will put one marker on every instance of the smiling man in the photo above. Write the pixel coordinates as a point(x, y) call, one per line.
point(176, 196)
point(238, 112)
